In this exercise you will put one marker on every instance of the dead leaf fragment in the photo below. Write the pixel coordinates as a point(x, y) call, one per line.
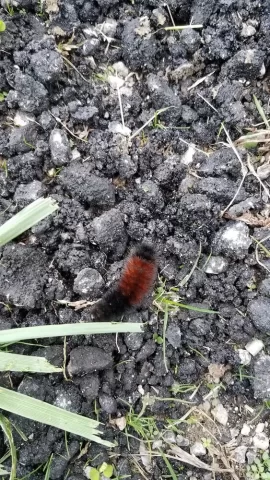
point(216, 371)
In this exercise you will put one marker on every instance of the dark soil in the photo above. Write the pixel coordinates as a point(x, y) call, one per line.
point(61, 135)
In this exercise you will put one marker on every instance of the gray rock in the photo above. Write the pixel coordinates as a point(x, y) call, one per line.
point(239, 454)
point(264, 287)
point(232, 240)
point(219, 189)
point(126, 166)
point(147, 350)
point(188, 114)
point(23, 139)
point(261, 378)
point(85, 187)
point(84, 114)
point(88, 282)
point(261, 441)
point(174, 335)
point(220, 414)
point(151, 193)
point(25, 194)
point(197, 449)
point(134, 341)
point(216, 265)
point(60, 148)
point(169, 436)
point(90, 46)
point(89, 386)
point(182, 441)
point(191, 39)
point(258, 310)
point(29, 95)
point(67, 396)
point(47, 65)
point(200, 326)
point(108, 231)
point(108, 403)
point(87, 360)
point(245, 64)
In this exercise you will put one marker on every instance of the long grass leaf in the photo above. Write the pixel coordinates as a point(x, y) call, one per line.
point(7, 429)
point(165, 323)
point(13, 362)
point(188, 307)
point(168, 465)
point(43, 412)
point(26, 218)
point(27, 333)
point(3, 471)
point(261, 111)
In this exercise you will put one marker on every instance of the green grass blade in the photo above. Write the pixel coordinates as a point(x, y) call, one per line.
point(43, 412)
point(168, 465)
point(3, 471)
point(48, 331)
point(187, 307)
point(261, 111)
point(6, 427)
point(12, 362)
point(165, 323)
point(26, 218)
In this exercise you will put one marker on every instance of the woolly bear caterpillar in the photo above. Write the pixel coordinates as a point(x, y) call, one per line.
point(136, 281)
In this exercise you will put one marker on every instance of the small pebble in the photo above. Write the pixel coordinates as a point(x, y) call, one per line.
point(245, 430)
point(239, 454)
point(245, 357)
point(216, 264)
point(260, 428)
point(254, 346)
point(182, 441)
point(169, 437)
point(220, 414)
point(198, 449)
point(261, 441)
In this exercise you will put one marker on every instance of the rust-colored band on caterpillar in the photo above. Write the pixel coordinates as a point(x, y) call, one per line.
point(136, 281)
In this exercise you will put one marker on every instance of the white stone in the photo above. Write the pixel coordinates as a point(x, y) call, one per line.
point(245, 430)
point(216, 265)
point(248, 30)
point(121, 69)
point(197, 449)
point(260, 428)
point(261, 441)
point(239, 454)
point(254, 346)
point(115, 81)
point(220, 414)
point(245, 357)
point(187, 158)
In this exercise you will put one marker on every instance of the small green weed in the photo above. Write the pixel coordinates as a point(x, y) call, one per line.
point(260, 468)
point(157, 338)
point(2, 26)
point(105, 470)
point(9, 9)
point(178, 388)
point(145, 427)
point(2, 94)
